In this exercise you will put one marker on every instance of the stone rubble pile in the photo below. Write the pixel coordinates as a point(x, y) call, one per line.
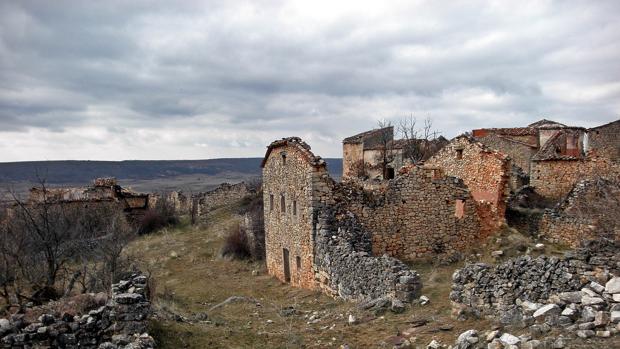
point(482, 289)
point(120, 324)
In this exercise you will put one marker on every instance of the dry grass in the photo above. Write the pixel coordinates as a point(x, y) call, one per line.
point(191, 278)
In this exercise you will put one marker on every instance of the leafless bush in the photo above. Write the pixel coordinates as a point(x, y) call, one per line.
point(162, 215)
point(236, 243)
point(421, 142)
point(49, 247)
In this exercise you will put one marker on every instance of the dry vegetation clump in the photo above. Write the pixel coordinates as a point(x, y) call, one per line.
point(162, 215)
point(236, 243)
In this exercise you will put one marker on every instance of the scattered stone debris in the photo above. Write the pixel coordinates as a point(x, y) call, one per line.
point(120, 324)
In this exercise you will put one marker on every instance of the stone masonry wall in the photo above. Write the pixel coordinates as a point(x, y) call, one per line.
point(290, 178)
point(415, 216)
point(520, 153)
point(499, 290)
point(223, 195)
point(588, 212)
point(345, 266)
point(554, 179)
point(120, 324)
point(605, 140)
point(484, 171)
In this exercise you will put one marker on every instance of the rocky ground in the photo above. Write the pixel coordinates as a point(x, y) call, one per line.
point(205, 301)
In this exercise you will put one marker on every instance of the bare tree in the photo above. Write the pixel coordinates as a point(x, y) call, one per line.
point(420, 141)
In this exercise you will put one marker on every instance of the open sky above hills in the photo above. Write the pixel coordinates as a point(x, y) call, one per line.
point(113, 80)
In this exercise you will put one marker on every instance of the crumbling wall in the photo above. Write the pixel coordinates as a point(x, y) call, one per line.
point(223, 195)
point(588, 212)
point(416, 215)
point(497, 290)
point(346, 267)
point(121, 323)
point(352, 160)
point(484, 171)
point(554, 179)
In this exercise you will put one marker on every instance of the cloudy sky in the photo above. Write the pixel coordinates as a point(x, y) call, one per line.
point(192, 80)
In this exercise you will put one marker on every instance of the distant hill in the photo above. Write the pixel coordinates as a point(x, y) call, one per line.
point(136, 172)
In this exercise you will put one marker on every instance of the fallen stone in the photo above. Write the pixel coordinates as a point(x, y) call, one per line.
point(530, 306)
point(497, 254)
point(603, 334)
point(571, 297)
point(613, 285)
point(615, 316)
point(433, 345)
point(533, 344)
point(601, 319)
point(616, 297)
point(570, 312)
point(549, 309)
point(508, 339)
point(585, 333)
point(587, 300)
point(352, 319)
point(424, 300)
point(491, 335)
point(559, 343)
point(588, 314)
point(598, 288)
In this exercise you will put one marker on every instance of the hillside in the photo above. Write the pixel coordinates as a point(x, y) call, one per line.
point(141, 175)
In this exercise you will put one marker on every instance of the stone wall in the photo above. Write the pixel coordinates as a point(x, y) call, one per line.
point(121, 323)
point(519, 152)
point(499, 290)
point(588, 212)
point(223, 195)
point(293, 180)
point(605, 140)
point(484, 171)
point(346, 267)
point(415, 215)
point(352, 160)
point(554, 179)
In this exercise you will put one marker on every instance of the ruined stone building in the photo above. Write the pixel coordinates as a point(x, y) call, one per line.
point(556, 156)
point(365, 154)
point(318, 231)
point(104, 191)
point(484, 171)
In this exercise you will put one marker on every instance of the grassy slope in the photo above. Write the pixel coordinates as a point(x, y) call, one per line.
point(198, 279)
point(191, 278)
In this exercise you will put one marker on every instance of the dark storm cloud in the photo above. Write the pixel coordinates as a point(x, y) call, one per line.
point(223, 78)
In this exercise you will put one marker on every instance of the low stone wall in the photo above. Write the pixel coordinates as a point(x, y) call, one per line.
point(497, 290)
point(345, 266)
point(223, 195)
point(120, 324)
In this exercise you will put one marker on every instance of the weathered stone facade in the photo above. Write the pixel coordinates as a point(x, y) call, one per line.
point(103, 192)
point(120, 324)
point(554, 178)
point(520, 153)
point(604, 140)
point(484, 171)
point(418, 214)
point(294, 181)
point(588, 212)
point(223, 195)
point(308, 242)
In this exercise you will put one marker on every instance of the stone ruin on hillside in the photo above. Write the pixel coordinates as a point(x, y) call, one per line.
point(322, 234)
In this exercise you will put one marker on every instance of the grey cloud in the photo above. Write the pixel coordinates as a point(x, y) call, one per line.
point(164, 67)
